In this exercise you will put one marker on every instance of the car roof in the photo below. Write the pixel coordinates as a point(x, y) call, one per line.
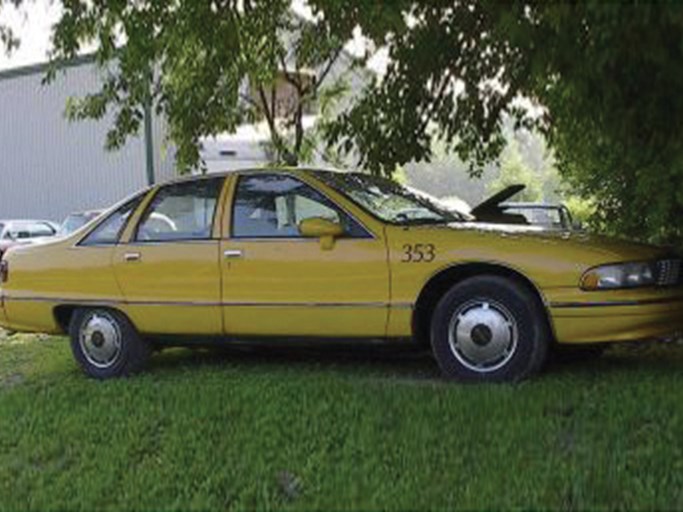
point(274, 168)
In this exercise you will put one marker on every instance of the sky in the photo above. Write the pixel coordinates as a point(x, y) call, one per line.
point(32, 23)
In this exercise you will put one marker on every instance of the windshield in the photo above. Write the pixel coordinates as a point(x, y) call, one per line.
point(388, 200)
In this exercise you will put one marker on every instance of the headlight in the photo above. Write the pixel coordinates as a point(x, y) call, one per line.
point(614, 277)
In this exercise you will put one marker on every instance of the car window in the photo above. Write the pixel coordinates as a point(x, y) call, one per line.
point(182, 211)
point(20, 233)
point(273, 206)
point(109, 231)
point(39, 229)
point(388, 200)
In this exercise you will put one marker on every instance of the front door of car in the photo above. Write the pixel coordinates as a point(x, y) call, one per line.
point(169, 269)
point(277, 282)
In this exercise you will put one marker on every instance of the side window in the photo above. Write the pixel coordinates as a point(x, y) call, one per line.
point(273, 206)
point(20, 232)
point(182, 211)
point(109, 230)
point(41, 229)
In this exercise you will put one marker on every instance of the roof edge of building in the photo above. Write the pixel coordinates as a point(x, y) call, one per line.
point(43, 67)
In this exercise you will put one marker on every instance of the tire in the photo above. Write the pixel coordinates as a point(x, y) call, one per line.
point(106, 344)
point(489, 329)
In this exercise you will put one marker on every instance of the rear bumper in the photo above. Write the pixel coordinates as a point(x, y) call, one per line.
point(615, 321)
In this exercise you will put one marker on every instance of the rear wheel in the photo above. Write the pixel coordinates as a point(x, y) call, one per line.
point(106, 344)
point(489, 329)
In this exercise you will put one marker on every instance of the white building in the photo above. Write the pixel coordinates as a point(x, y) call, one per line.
point(49, 166)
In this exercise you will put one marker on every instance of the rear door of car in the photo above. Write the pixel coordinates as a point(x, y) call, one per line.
point(167, 263)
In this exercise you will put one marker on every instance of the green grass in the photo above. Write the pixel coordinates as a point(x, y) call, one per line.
point(343, 429)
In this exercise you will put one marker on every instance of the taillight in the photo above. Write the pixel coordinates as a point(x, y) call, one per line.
point(4, 271)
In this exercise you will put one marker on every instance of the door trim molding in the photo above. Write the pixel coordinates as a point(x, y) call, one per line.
point(110, 302)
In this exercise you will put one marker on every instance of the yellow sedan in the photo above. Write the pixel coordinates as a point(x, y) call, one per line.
point(292, 253)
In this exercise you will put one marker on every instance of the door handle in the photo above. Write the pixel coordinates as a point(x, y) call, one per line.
point(132, 256)
point(232, 254)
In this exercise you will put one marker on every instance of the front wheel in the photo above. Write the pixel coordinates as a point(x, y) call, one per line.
point(489, 329)
point(106, 344)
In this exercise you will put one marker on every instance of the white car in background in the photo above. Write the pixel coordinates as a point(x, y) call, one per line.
point(77, 220)
point(24, 231)
point(514, 216)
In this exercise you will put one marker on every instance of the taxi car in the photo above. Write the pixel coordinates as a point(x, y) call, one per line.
point(296, 253)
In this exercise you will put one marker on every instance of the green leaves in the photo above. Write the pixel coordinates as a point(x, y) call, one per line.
point(605, 78)
point(607, 75)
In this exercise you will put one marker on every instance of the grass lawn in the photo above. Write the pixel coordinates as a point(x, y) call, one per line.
point(342, 429)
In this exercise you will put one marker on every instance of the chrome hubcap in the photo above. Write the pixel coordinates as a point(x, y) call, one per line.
point(483, 335)
point(100, 340)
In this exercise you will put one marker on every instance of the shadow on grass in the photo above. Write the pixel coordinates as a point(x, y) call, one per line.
point(402, 361)
point(656, 359)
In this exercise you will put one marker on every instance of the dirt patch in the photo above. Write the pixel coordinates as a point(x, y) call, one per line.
point(12, 380)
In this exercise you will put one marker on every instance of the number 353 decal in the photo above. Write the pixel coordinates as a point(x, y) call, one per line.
point(418, 253)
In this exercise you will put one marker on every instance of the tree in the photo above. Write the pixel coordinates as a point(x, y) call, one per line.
point(207, 66)
point(525, 159)
point(514, 171)
point(603, 80)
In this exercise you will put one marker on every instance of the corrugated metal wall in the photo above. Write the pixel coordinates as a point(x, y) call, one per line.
point(50, 167)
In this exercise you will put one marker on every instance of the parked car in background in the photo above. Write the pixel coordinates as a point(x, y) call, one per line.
point(14, 232)
point(76, 221)
point(286, 254)
point(555, 217)
point(541, 216)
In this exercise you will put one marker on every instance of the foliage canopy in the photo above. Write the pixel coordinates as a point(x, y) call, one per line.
point(207, 66)
point(603, 77)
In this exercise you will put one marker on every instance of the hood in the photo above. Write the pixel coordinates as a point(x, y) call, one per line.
point(492, 204)
point(611, 250)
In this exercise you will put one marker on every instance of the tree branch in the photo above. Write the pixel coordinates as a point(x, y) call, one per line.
point(289, 77)
point(328, 68)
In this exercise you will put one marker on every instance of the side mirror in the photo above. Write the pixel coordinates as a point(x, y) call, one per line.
point(325, 229)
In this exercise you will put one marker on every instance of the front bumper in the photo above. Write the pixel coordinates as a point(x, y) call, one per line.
point(618, 317)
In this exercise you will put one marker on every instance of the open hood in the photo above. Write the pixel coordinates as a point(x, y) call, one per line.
point(492, 204)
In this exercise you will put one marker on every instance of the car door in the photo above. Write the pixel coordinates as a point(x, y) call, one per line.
point(168, 268)
point(278, 283)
